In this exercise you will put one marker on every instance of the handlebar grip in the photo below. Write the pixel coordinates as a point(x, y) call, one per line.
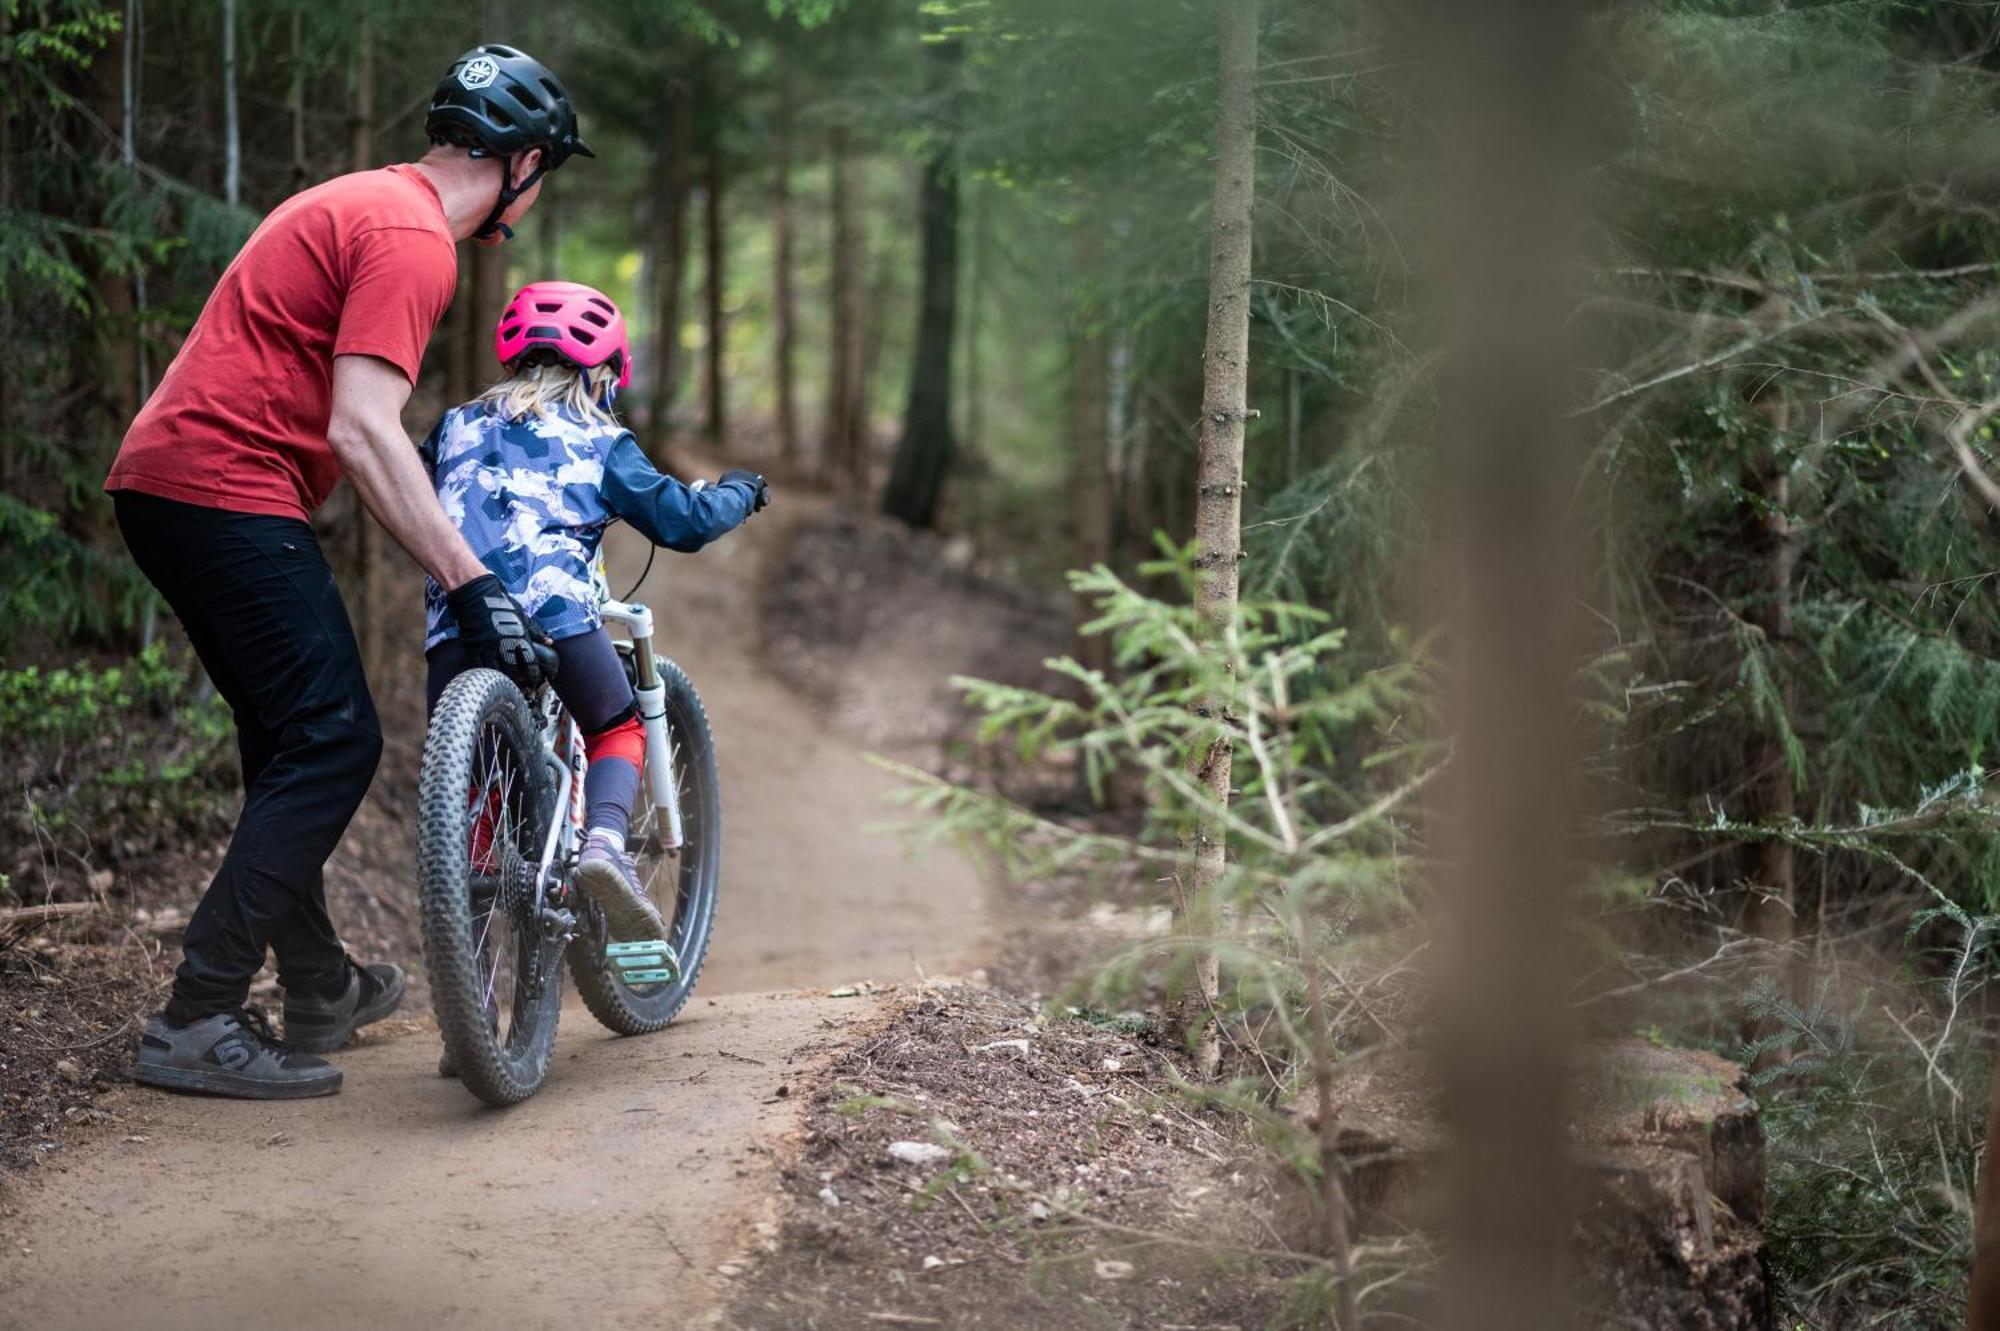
point(546, 657)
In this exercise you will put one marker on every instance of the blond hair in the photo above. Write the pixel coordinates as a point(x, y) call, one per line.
point(542, 386)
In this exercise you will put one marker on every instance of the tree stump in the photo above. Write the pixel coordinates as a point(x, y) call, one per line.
point(1670, 1155)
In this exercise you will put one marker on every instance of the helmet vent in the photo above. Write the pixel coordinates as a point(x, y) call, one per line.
point(547, 306)
point(593, 317)
point(603, 304)
point(583, 337)
point(549, 331)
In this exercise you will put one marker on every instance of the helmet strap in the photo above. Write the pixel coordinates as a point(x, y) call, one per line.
point(509, 192)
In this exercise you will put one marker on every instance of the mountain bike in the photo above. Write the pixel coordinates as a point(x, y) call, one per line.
point(500, 827)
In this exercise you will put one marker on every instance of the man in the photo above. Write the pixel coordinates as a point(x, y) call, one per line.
point(295, 374)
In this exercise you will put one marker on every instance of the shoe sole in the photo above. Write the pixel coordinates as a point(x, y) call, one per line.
point(234, 1085)
point(628, 916)
point(385, 1003)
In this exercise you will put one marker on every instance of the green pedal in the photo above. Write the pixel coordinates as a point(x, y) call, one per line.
point(649, 962)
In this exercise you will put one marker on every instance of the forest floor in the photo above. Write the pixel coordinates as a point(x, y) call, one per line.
point(649, 1174)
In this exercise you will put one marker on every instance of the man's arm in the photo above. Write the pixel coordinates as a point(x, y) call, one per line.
point(366, 435)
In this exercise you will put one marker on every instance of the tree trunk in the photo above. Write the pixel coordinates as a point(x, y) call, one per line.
point(486, 299)
point(295, 106)
point(459, 349)
point(128, 156)
point(140, 377)
point(924, 453)
point(975, 273)
point(1773, 908)
point(1502, 84)
point(670, 208)
point(1983, 1310)
point(1091, 402)
point(718, 276)
point(232, 124)
point(783, 313)
point(1118, 440)
point(842, 448)
point(371, 617)
point(9, 457)
point(876, 298)
point(1218, 509)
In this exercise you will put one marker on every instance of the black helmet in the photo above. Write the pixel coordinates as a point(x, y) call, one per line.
point(502, 101)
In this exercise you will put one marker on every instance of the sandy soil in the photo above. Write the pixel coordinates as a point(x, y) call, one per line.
point(637, 1168)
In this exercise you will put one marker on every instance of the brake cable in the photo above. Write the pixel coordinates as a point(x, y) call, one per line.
point(651, 550)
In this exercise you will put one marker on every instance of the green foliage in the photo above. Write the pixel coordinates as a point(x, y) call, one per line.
point(1312, 831)
point(1873, 1153)
point(63, 585)
point(110, 761)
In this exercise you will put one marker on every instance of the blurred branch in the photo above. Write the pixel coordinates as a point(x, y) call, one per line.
point(1709, 362)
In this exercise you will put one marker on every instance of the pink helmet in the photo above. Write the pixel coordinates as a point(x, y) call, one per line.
point(578, 323)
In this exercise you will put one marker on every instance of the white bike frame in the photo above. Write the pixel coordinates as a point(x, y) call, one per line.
point(568, 763)
point(637, 621)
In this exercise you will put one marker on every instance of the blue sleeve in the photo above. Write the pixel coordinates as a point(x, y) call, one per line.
point(663, 510)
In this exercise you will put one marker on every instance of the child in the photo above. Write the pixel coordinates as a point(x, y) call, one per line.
point(532, 471)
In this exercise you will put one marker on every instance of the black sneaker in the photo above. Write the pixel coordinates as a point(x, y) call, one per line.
point(230, 1053)
point(322, 1025)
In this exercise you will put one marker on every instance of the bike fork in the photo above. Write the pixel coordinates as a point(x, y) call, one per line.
point(652, 694)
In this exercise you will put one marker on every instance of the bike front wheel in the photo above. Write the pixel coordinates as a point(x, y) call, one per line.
point(683, 882)
point(484, 804)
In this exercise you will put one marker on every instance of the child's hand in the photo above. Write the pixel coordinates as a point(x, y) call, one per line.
point(760, 489)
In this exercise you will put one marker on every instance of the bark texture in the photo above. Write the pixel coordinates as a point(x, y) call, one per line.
point(1674, 1176)
point(1218, 511)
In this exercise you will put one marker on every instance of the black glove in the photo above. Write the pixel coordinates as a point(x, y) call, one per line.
point(760, 489)
point(497, 632)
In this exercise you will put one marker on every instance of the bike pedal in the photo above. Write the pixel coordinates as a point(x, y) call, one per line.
point(648, 962)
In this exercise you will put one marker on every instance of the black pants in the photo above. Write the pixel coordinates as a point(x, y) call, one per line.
point(260, 606)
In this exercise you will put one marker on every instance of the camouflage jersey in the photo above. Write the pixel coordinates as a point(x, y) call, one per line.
point(533, 496)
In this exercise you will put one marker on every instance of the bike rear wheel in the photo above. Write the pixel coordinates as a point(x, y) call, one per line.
point(684, 883)
point(484, 804)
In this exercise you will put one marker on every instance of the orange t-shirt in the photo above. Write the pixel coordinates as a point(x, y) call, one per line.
point(361, 265)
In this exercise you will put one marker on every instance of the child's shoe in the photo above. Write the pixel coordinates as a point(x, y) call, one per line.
point(605, 875)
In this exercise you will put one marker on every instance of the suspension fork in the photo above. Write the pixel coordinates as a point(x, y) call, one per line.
point(652, 695)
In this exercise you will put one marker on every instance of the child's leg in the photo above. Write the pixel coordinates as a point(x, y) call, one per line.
point(442, 664)
point(591, 682)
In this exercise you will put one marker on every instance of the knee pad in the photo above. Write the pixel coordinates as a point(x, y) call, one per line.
point(624, 739)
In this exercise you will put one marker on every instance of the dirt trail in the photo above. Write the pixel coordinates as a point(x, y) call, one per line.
point(613, 1193)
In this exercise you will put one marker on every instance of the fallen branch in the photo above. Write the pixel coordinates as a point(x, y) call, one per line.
point(1722, 953)
point(21, 919)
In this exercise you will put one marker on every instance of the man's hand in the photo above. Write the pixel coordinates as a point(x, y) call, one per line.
point(497, 633)
point(760, 489)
